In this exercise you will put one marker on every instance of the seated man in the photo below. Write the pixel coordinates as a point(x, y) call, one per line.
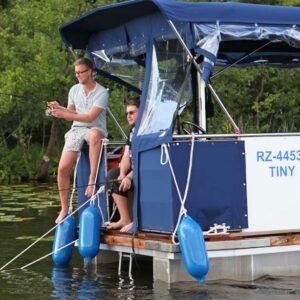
point(87, 104)
point(120, 180)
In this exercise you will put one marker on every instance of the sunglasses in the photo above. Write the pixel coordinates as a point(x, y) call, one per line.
point(130, 113)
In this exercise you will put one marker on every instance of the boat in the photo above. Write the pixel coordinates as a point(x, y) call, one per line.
point(241, 188)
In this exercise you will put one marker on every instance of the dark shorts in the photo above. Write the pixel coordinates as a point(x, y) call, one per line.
point(112, 184)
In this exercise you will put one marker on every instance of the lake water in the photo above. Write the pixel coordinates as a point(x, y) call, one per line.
point(28, 211)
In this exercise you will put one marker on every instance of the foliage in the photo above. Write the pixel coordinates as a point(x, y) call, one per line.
point(35, 68)
point(260, 99)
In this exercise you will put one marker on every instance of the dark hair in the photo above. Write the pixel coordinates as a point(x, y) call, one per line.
point(134, 102)
point(84, 61)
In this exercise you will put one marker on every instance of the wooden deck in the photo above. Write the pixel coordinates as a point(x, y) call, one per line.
point(236, 240)
point(240, 256)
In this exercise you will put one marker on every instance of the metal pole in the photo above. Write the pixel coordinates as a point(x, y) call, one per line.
point(116, 123)
point(199, 70)
point(73, 53)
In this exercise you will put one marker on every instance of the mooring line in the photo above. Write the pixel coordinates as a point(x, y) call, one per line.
point(35, 261)
point(31, 245)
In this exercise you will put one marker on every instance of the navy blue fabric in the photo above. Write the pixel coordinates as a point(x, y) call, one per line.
point(135, 146)
point(77, 32)
point(114, 40)
point(83, 171)
point(229, 12)
point(217, 191)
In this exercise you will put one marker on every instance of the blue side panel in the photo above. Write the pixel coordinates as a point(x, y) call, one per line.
point(83, 171)
point(217, 192)
point(157, 206)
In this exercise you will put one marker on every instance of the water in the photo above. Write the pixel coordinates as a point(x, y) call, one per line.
point(27, 212)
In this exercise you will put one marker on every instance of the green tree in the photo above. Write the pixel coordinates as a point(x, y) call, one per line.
point(35, 68)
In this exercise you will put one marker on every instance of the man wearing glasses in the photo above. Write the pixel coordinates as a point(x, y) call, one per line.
point(87, 102)
point(119, 181)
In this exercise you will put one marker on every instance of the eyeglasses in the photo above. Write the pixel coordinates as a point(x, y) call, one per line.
point(130, 113)
point(81, 72)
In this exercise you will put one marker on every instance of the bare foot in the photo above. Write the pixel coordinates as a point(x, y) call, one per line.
point(126, 228)
point(89, 190)
point(61, 216)
point(117, 225)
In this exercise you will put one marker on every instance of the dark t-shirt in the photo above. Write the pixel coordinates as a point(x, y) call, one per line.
point(129, 139)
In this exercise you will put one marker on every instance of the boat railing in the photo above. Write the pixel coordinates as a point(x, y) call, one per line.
point(232, 136)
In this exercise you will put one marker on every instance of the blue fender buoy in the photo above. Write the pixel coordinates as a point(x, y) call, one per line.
point(193, 248)
point(89, 233)
point(65, 233)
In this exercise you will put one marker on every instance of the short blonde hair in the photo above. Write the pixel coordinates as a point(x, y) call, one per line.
point(84, 61)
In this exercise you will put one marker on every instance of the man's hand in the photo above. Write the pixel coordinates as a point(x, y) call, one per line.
point(121, 177)
point(125, 184)
point(58, 113)
point(53, 104)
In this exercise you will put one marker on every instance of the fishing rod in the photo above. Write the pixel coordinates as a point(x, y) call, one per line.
point(12, 95)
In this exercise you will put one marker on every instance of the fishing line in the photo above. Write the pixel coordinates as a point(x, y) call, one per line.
point(83, 186)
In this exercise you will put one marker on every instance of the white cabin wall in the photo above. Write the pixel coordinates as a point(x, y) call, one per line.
point(273, 177)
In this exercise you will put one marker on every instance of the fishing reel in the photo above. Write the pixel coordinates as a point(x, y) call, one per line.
point(48, 112)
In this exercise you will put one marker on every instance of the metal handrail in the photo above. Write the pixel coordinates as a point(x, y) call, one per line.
point(235, 136)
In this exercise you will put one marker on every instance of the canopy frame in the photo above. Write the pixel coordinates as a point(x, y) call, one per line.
point(212, 90)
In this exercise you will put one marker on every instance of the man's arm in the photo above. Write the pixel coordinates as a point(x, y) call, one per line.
point(125, 164)
point(126, 180)
point(94, 112)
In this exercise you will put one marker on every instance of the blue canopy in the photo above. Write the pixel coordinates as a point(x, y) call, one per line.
point(213, 30)
point(77, 32)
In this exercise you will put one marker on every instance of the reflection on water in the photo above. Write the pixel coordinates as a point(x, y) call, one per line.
point(37, 210)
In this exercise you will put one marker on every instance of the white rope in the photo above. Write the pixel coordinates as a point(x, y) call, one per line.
point(98, 166)
point(36, 241)
point(74, 184)
point(113, 212)
point(183, 211)
point(61, 248)
point(101, 190)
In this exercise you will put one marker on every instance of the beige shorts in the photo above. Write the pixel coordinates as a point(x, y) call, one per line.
point(75, 138)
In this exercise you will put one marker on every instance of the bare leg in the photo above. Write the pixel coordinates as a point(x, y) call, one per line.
point(66, 164)
point(130, 203)
point(127, 227)
point(94, 137)
point(125, 219)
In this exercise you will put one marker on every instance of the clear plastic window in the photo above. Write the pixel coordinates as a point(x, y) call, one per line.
point(167, 87)
point(121, 65)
